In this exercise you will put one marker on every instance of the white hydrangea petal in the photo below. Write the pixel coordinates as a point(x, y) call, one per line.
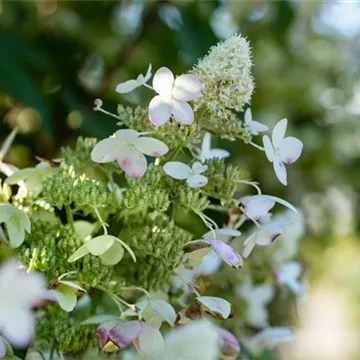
point(263, 293)
point(257, 316)
point(268, 234)
point(66, 298)
point(182, 112)
point(18, 326)
point(227, 253)
point(148, 73)
point(107, 150)
point(221, 234)
point(280, 201)
point(279, 132)
point(217, 153)
point(257, 127)
point(127, 86)
point(280, 171)
point(16, 231)
point(113, 255)
point(248, 116)
point(129, 136)
point(79, 253)
point(150, 146)
point(165, 310)
point(163, 81)
point(133, 162)
point(150, 341)
point(177, 170)
point(269, 150)
point(198, 168)
point(100, 244)
point(186, 87)
point(2, 348)
point(206, 143)
point(290, 149)
point(216, 305)
point(6, 211)
point(159, 110)
point(257, 207)
point(249, 245)
point(196, 181)
point(125, 333)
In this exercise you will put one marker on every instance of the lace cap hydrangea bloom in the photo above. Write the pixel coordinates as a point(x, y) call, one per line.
point(192, 175)
point(19, 291)
point(128, 147)
point(131, 85)
point(173, 96)
point(282, 150)
point(226, 74)
point(254, 126)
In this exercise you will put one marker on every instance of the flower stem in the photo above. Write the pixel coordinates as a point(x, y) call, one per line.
point(256, 146)
point(69, 215)
point(103, 224)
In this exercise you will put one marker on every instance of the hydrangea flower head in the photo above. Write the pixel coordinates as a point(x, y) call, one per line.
point(173, 96)
point(128, 148)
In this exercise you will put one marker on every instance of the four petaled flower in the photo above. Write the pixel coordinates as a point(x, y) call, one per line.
point(181, 171)
point(206, 152)
point(128, 149)
point(130, 85)
point(173, 97)
point(282, 150)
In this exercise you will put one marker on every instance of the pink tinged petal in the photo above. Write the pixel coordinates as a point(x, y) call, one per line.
point(126, 86)
point(279, 132)
point(150, 340)
point(269, 150)
point(187, 87)
point(2, 348)
point(197, 181)
point(290, 149)
point(249, 245)
point(163, 81)
point(257, 207)
point(230, 347)
point(268, 234)
point(107, 150)
point(102, 331)
point(159, 110)
point(177, 170)
point(280, 171)
point(227, 253)
point(124, 334)
point(182, 112)
point(216, 305)
point(127, 135)
point(103, 336)
point(150, 146)
point(133, 162)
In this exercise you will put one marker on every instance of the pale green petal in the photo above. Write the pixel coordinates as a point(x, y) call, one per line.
point(113, 255)
point(100, 244)
point(16, 231)
point(79, 253)
point(66, 297)
point(6, 211)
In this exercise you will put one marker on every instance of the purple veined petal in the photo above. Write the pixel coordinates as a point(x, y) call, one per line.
point(133, 162)
point(150, 146)
point(230, 347)
point(177, 170)
point(2, 348)
point(217, 154)
point(103, 336)
point(227, 253)
point(257, 127)
point(269, 150)
point(126, 86)
point(216, 305)
point(249, 245)
point(129, 136)
point(197, 181)
point(150, 340)
point(248, 116)
point(279, 132)
point(280, 171)
point(187, 87)
point(125, 333)
point(182, 112)
point(163, 81)
point(102, 331)
point(107, 150)
point(257, 207)
point(290, 149)
point(268, 234)
point(159, 110)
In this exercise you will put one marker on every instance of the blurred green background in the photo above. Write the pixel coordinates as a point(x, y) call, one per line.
point(58, 56)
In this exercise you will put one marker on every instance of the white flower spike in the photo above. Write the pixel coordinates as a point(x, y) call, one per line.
point(254, 126)
point(282, 150)
point(131, 85)
point(256, 297)
point(207, 153)
point(19, 291)
point(180, 171)
point(173, 97)
point(127, 147)
point(288, 275)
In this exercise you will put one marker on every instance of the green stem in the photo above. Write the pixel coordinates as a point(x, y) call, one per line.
point(103, 224)
point(69, 215)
